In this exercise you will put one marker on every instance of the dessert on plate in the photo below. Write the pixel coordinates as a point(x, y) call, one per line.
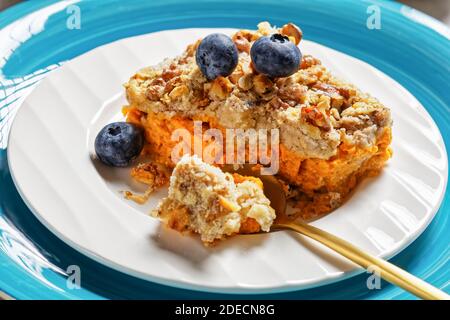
point(331, 135)
point(214, 204)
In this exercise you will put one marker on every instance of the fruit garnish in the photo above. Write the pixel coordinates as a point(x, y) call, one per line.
point(275, 56)
point(118, 143)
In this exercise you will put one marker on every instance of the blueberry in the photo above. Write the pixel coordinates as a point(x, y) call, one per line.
point(275, 56)
point(118, 143)
point(216, 55)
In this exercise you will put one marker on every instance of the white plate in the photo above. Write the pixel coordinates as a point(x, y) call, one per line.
point(50, 157)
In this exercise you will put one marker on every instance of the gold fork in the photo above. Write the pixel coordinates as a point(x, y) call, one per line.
point(387, 271)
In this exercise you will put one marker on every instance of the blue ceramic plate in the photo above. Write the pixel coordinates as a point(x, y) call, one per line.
point(37, 36)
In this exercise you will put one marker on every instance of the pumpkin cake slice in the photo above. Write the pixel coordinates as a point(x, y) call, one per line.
point(204, 200)
point(331, 134)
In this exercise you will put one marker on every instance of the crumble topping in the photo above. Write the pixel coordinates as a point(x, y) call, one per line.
point(332, 134)
point(152, 174)
point(314, 111)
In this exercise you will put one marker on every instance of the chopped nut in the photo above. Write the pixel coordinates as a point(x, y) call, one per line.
point(351, 123)
point(170, 73)
point(336, 98)
point(347, 92)
point(381, 117)
point(306, 77)
point(249, 225)
point(227, 204)
point(293, 92)
point(236, 75)
point(262, 84)
point(327, 88)
point(200, 98)
point(220, 88)
point(335, 113)
point(183, 59)
point(317, 116)
point(252, 68)
point(293, 32)
point(337, 102)
point(172, 83)
point(277, 103)
point(150, 174)
point(133, 115)
point(291, 39)
point(308, 61)
point(246, 34)
point(190, 50)
point(178, 92)
point(145, 73)
point(155, 92)
point(242, 45)
point(324, 104)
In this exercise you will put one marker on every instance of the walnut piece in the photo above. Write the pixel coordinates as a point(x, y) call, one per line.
point(242, 40)
point(156, 89)
point(318, 115)
point(150, 174)
point(331, 91)
point(308, 61)
point(190, 50)
point(246, 82)
point(277, 103)
point(170, 73)
point(292, 32)
point(293, 92)
point(179, 92)
point(265, 28)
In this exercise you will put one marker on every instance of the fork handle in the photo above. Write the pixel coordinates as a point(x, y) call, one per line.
point(388, 271)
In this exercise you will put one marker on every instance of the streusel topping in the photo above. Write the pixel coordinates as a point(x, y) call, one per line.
point(314, 111)
point(214, 204)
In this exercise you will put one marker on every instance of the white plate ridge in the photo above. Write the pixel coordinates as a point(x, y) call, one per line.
point(50, 157)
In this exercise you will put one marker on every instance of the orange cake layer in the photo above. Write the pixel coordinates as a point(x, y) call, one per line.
point(322, 184)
